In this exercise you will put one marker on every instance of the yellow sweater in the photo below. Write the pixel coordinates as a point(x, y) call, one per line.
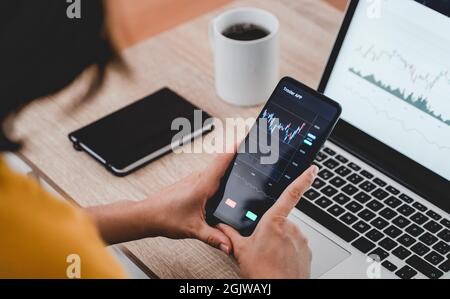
point(42, 237)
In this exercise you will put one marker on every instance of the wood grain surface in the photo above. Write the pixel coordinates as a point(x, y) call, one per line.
point(181, 59)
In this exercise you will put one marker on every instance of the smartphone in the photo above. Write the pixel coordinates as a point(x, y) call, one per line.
point(137, 134)
point(303, 120)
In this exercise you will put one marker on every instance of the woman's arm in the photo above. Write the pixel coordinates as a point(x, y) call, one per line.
point(176, 212)
point(126, 221)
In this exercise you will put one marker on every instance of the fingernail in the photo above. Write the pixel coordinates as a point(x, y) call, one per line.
point(225, 248)
point(315, 170)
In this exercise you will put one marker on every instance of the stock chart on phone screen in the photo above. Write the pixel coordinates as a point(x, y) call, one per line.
point(297, 132)
point(392, 78)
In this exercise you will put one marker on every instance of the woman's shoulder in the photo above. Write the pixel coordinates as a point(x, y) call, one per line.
point(43, 236)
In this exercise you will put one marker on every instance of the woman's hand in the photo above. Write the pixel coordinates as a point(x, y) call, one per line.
point(176, 212)
point(182, 206)
point(277, 248)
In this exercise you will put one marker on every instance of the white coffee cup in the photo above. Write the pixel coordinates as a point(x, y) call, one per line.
point(246, 72)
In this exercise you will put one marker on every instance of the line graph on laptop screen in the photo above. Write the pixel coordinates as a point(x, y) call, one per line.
point(392, 78)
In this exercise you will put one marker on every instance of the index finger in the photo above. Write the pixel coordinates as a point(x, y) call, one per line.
point(291, 196)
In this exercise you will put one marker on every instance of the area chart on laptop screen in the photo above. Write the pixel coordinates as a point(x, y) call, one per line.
point(393, 80)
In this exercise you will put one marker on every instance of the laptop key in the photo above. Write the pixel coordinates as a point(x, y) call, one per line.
point(420, 207)
point(367, 174)
point(392, 231)
point(379, 223)
point(348, 218)
point(380, 194)
point(406, 240)
point(432, 226)
point(414, 230)
point(401, 222)
point(388, 213)
point(341, 199)
point(336, 210)
point(442, 248)
point(392, 190)
point(374, 235)
point(323, 202)
point(331, 163)
point(329, 151)
point(328, 191)
point(406, 272)
point(366, 215)
point(354, 207)
point(350, 189)
point(367, 186)
point(406, 198)
point(445, 223)
point(379, 254)
point(419, 218)
point(433, 215)
point(379, 182)
point(406, 210)
point(328, 221)
point(445, 266)
point(428, 239)
point(325, 174)
point(311, 194)
point(424, 267)
point(445, 235)
point(355, 179)
point(434, 258)
point(420, 249)
point(321, 157)
point(401, 252)
point(341, 159)
point(388, 244)
point(393, 202)
point(389, 266)
point(363, 245)
point(375, 205)
point(361, 227)
point(343, 171)
point(318, 183)
point(337, 182)
point(354, 166)
point(362, 197)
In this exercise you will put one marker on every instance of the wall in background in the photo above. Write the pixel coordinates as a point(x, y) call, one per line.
point(133, 21)
point(339, 4)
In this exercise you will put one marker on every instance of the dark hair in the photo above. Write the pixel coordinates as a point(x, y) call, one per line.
point(42, 50)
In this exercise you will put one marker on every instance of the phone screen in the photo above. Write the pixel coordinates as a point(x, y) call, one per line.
point(302, 120)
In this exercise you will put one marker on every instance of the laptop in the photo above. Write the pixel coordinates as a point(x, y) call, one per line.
point(380, 205)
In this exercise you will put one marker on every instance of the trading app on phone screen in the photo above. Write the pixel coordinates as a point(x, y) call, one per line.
point(302, 120)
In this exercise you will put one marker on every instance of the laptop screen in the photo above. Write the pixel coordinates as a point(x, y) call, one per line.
point(392, 77)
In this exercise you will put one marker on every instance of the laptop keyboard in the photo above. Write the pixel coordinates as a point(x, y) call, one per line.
point(377, 219)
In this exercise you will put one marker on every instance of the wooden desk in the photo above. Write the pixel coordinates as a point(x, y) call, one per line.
point(182, 60)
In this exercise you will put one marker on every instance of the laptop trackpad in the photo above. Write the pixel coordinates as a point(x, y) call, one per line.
point(326, 253)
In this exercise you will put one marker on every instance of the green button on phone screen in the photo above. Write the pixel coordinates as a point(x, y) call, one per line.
point(251, 216)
